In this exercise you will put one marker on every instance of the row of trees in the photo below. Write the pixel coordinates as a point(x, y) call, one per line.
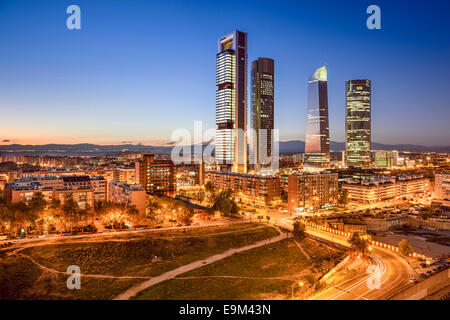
point(39, 215)
point(360, 243)
point(160, 207)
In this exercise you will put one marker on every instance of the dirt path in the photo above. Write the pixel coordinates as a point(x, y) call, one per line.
point(303, 250)
point(133, 291)
point(291, 278)
point(98, 276)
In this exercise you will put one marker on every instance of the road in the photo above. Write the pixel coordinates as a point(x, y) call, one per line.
point(388, 272)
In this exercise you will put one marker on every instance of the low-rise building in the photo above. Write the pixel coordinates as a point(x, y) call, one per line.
point(128, 194)
point(442, 189)
point(371, 190)
point(247, 188)
point(24, 191)
point(410, 185)
point(24, 188)
point(84, 197)
point(125, 174)
point(374, 189)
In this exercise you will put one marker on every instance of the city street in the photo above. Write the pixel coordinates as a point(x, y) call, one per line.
point(392, 272)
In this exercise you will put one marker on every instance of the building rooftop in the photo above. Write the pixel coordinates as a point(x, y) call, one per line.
point(125, 185)
point(244, 175)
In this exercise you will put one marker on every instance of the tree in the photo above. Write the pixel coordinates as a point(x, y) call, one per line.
point(405, 247)
point(359, 243)
point(225, 204)
point(209, 188)
point(71, 210)
point(299, 230)
point(186, 216)
point(21, 216)
point(37, 204)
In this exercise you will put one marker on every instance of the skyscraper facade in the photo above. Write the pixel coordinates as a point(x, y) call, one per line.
point(357, 123)
point(231, 102)
point(262, 113)
point(317, 142)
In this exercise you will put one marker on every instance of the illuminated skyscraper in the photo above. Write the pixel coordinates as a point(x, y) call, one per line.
point(261, 115)
point(317, 144)
point(357, 123)
point(231, 102)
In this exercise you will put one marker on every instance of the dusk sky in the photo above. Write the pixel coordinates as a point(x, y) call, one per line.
point(137, 70)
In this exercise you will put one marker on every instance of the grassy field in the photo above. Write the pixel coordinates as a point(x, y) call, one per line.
point(140, 254)
point(263, 273)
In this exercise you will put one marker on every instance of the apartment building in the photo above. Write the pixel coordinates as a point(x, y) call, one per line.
point(247, 188)
point(312, 191)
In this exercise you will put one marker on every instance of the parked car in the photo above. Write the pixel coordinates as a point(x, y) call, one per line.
point(423, 265)
point(423, 275)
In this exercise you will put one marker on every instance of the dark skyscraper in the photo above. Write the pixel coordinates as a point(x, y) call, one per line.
point(261, 115)
point(357, 123)
point(231, 102)
point(317, 144)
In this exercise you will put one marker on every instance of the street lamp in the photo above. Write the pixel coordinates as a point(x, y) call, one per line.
point(300, 284)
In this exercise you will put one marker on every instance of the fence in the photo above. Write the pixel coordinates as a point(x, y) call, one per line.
point(373, 243)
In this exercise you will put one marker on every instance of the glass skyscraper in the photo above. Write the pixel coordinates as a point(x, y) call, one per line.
point(261, 114)
point(231, 102)
point(317, 143)
point(358, 123)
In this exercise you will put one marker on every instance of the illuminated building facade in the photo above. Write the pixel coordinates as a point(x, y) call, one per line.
point(124, 174)
point(375, 189)
point(312, 191)
point(442, 189)
point(317, 144)
point(128, 194)
point(83, 197)
point(371, 190)
point(247, 188)
point(262, 113)
point(156, 176)
point(358, 123)
point(386, 159)
point(231, 102)
point(84, 188)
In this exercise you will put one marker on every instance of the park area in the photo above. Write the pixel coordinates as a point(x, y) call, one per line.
point(269, 272)
point(112, 264)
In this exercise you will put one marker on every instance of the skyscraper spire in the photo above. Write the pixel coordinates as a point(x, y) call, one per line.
point(317, 142)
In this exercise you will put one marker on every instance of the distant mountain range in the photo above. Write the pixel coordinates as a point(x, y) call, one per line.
point(298, 146)
point(86, 149)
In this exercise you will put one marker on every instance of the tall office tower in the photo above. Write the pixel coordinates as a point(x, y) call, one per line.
point(357, 123)
point(317, 144)
point(231, 102)
point(261, 115)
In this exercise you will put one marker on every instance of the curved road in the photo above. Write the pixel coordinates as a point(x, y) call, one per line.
point(388, 273)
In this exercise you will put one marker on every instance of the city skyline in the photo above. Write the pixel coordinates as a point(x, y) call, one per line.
point(52, 74)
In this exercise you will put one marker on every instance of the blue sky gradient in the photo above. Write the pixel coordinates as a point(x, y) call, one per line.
point(137, 70)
